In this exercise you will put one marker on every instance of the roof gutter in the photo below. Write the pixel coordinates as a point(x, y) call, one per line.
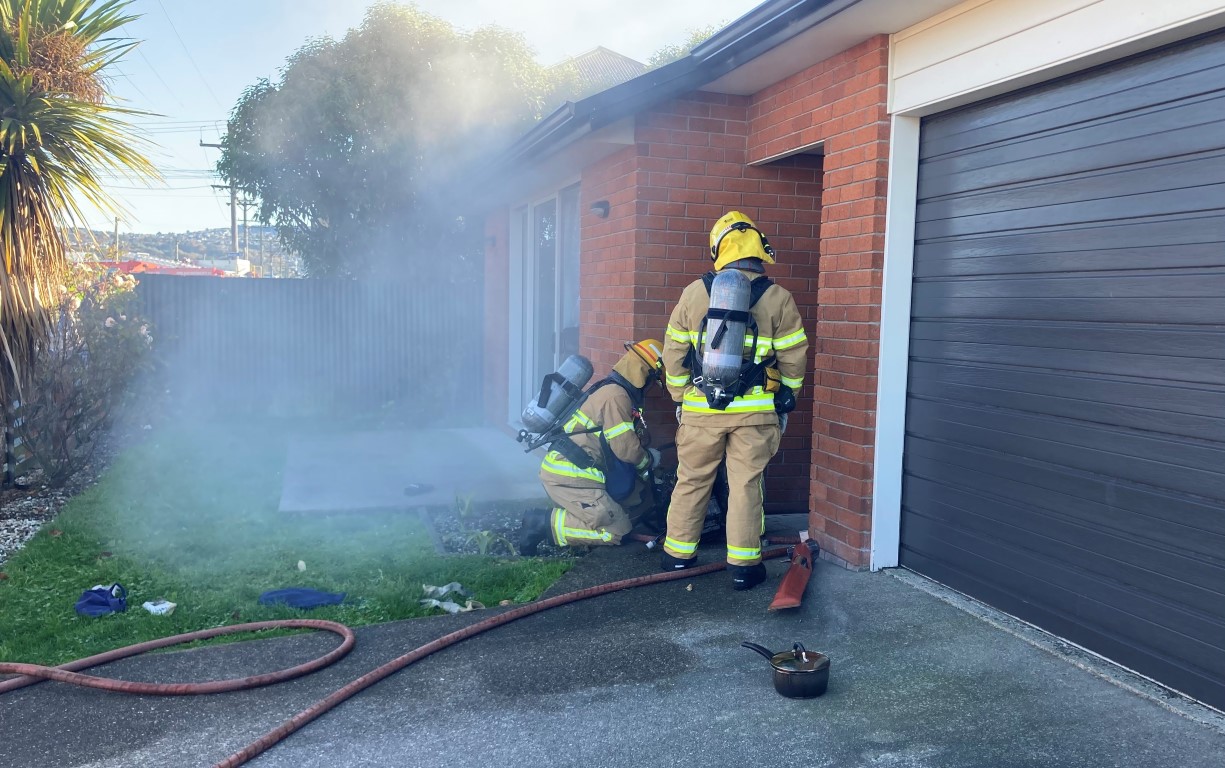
point(763, 28)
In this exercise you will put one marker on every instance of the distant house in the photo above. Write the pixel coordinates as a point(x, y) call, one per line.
point(601, 68)
point(1004, 221)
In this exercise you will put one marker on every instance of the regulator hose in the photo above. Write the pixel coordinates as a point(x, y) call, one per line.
point(34, 673)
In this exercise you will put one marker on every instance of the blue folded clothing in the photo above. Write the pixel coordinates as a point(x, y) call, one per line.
point(101, 600)
point(301, 597)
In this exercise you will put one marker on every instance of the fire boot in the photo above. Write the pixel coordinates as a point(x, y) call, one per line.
point(670, 563)
point(535, 528)
point(747, 576)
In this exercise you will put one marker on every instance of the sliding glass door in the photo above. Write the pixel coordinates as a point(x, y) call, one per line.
point(545, 239)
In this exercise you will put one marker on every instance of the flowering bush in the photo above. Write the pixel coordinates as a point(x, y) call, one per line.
point(98, 347)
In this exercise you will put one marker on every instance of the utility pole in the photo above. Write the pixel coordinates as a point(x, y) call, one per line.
point(233, 205)
point(246, 203)
point(116, 238)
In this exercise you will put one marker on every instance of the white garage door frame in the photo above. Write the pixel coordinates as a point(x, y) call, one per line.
point(976, 50)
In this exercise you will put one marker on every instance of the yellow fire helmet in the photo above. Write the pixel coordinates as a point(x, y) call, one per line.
point(642, 362)
point(736, 237)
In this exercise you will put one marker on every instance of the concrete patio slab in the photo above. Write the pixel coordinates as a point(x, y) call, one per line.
point(369, 470)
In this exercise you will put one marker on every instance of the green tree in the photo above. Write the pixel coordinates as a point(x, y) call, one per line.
point(354, 153)
point(59, 135)
point(671, 53)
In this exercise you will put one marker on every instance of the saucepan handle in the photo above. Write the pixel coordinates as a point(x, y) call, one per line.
point(755, 647)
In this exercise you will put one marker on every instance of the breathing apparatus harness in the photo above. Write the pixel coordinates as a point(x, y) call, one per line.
point(558, 439)
point(752, 374)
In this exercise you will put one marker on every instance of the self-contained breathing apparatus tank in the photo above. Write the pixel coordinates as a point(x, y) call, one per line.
point(561, 393)
point(723, 350)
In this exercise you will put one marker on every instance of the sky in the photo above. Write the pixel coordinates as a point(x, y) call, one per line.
point(197, 57)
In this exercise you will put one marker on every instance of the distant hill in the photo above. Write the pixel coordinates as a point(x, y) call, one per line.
point(184, 246)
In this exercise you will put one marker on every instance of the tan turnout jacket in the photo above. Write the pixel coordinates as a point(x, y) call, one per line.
point(780, 333)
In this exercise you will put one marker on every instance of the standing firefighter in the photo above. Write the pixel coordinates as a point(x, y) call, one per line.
point(600, 502)
point(735, 354)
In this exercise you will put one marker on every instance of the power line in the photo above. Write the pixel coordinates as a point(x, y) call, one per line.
point(189, 56)
point(156, 74)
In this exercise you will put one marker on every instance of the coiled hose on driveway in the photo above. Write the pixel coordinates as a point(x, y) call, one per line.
point(66, 673)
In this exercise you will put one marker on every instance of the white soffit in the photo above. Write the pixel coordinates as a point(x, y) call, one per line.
point(985, 47)
point(545, 176)
point(832, 36)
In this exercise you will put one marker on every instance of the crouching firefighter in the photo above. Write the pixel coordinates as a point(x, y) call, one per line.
point(598, 471)
point(735, 354)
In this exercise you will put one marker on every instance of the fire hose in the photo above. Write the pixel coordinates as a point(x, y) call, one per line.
point(34, 673)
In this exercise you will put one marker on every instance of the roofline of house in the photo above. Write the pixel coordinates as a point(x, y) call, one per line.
point(756, 32)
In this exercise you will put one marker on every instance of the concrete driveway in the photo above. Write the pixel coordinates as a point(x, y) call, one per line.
point(649, 677)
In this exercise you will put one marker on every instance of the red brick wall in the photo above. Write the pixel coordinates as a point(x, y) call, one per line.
point(687, 169)
point(840, 102)
point(609, 263)
point(826, 219)
point(497, 310)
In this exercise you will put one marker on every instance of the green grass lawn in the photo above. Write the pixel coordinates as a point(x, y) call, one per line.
point(191, 516)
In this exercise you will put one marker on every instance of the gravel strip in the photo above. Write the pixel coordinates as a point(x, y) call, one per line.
point(24, 510)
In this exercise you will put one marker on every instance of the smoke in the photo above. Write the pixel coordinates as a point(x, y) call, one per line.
point(368, 153)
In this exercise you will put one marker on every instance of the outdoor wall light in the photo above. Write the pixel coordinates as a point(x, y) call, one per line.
point(600, 208)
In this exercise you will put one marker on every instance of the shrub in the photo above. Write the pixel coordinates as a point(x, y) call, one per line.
point(99, 345)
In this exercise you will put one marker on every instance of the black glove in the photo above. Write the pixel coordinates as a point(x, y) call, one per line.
point(784, 400)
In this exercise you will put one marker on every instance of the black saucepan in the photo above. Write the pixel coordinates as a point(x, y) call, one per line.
point(798, 674)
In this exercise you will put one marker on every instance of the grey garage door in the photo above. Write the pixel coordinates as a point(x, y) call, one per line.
point(1065, 443)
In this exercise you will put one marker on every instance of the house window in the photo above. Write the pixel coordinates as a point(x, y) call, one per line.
point(545, 241)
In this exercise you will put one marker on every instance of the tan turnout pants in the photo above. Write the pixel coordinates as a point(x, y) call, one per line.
point(589, 516)
point(699, 450)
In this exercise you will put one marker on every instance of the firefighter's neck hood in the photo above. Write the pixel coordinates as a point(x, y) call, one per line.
point(634, 370)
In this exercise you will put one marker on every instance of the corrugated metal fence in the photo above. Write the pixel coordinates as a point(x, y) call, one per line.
point(317, 347)
point(14, 458)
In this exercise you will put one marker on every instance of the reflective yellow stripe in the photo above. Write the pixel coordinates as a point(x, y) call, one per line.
point(681, 336)
point(791, 340)
point(579, 418)
point(557, 464)
point(559, 526)
point(756, 400)
point(744, 553)
point(619, 429)
point(646, 461)
point(678, 381)
point(792, 383)
point(589, 535)
point(684, 547)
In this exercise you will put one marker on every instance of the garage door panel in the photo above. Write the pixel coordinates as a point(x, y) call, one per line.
point(930, 380)
point(1132, 86)
point(1190, 171)
point(1088, 410)
point(1151, 137)
point(1185, 241)
point(1096, 211)
point(931, 300)
point(1172, 670)
point(1208, 283)
point(1193, 256)
point(1195, 370)
point(1158, 572)
point(1191, 468)
point(1144, 513)
point(1099, 603)
point(1150, 340)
